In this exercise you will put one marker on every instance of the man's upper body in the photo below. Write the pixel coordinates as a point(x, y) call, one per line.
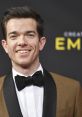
point(62, 97)
point(23, 40)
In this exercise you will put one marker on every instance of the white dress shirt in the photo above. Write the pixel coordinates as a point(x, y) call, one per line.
point(30, 98)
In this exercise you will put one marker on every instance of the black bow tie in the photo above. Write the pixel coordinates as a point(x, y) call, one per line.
point(37, 80)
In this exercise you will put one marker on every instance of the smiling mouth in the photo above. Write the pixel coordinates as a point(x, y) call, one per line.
point(23, 51)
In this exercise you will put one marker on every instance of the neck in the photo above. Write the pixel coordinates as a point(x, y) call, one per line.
point(26, 70)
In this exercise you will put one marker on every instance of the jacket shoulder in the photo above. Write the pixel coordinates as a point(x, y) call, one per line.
point(64, 81)
point(2, 81)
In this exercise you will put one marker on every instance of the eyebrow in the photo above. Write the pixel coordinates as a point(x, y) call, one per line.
point(30, 32)
point(14, 32)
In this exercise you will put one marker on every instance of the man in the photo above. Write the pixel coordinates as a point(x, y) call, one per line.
point(29, 90)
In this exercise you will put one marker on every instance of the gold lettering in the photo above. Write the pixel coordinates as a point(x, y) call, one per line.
point(59, 43)
point(73, 45)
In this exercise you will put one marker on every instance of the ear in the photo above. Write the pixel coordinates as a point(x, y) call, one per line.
point(42, 43)
point(4, 45)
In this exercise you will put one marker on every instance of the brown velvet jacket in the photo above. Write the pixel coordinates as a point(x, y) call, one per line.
point(68, 97)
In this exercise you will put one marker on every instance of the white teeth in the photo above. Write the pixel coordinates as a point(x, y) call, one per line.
point(22, 51)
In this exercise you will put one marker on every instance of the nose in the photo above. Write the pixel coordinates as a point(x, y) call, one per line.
point(22, 41)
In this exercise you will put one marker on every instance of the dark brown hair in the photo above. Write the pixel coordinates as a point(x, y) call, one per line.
point(22, 12)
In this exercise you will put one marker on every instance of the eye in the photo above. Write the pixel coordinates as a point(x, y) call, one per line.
point(30, 35)
point(12, 37)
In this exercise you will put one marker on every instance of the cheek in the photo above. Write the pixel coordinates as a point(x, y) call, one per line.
point(9, 52)
point(10, 49)
point(34, 45)
point(36, 49)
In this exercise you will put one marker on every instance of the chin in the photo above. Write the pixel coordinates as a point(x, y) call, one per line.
point(25, 65)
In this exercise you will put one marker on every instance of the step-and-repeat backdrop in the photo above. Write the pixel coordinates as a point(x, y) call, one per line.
point(63, 29)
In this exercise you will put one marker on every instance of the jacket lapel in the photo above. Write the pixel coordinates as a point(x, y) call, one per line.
point(50, 95)
point(11, 97)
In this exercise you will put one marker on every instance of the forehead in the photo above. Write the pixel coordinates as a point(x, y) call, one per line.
point(21, 24)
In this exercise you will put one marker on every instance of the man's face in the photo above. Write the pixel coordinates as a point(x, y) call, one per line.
point(22, 42)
